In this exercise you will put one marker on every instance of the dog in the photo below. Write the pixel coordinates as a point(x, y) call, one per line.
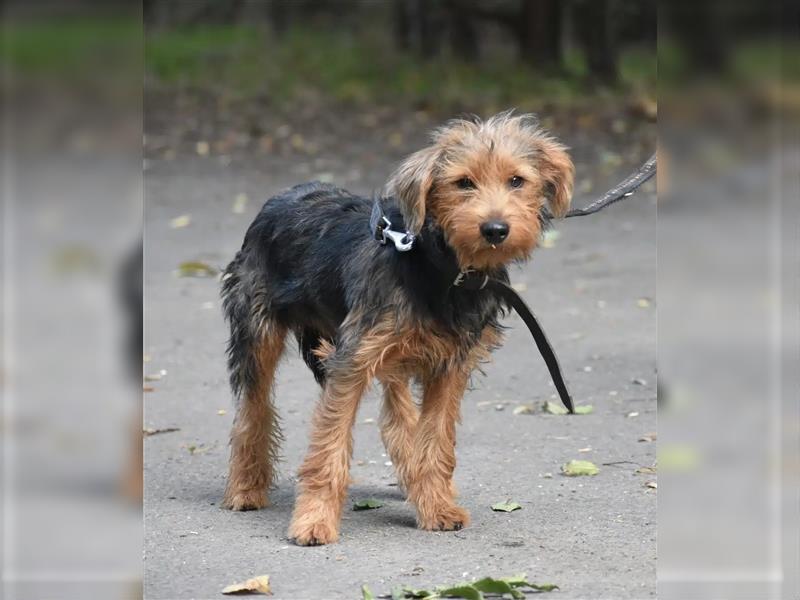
point(360, 310)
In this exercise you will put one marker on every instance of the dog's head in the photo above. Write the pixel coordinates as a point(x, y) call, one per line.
point(485, 184)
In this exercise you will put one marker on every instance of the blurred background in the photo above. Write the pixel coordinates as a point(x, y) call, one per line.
point(292, 84)
point(247, 96)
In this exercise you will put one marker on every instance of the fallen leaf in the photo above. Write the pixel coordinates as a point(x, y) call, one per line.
point(367, 504)
point(506, 586)
point(155, 376)
point(649, 437)
point(678, 458)
point(366, 594)
point(575, 468)
point(459, 591)
point(75, 259)
point(257, 585)
point(646, 470)
point(201, 449)
point(180, 222)
point(222, 412)
point(506, 506)
point(643, 302)
point(584, 410)
point(240, 203)
point(521, 581)
point(148, 432)
point(553, 408)
point(549, 238)
point(524, 409)
point(651, 484)
point(396, 139)
point(587, 449)
point(196, 268)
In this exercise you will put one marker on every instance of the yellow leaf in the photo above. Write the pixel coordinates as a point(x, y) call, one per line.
point(258, 585)
point(240, 203)
point(179, 222)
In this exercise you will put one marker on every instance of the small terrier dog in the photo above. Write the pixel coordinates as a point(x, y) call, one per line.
point(360, 310)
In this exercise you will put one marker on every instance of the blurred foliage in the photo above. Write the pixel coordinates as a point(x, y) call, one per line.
point(246, 61)
point(70, 46)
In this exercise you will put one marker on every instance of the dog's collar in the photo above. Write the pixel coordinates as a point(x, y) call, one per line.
point(471, 279)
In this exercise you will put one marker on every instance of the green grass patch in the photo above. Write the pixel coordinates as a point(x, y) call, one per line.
point(338, 65)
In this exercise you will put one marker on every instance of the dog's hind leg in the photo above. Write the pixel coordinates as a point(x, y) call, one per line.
point(256, 435)
point(399, 416)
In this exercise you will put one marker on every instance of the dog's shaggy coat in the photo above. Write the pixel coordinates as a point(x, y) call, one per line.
point(360, 310)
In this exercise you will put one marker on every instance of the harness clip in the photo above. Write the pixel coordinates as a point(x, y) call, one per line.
point(402, 240)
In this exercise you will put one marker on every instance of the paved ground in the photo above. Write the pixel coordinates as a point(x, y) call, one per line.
point(594, 537)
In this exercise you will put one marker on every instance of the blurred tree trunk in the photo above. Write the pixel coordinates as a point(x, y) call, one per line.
point(418, 26)
point(594, 24)
point(278, 16)
point(539, 32)
point(463, 34)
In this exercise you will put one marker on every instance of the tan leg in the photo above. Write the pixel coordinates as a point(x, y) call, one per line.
point(325, 473)
point(399, 416)
point(256, 435)
point(433, 457)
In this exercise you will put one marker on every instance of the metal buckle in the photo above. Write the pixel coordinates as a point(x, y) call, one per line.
point(402, 240)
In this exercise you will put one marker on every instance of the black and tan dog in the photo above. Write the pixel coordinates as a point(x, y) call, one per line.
point(360, 310)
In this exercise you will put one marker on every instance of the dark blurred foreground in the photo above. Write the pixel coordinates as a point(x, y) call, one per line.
point(72, 201)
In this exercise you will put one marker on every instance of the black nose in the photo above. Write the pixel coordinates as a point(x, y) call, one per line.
point(494, 231)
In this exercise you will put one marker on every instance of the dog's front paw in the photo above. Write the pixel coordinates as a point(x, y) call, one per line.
point(448, 518)
point(308, 531)
point(245, 499)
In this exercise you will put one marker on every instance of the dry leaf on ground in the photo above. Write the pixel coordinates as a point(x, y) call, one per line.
point(574, 468)
point(506, 506)
point(180, 222)
point(256, 585)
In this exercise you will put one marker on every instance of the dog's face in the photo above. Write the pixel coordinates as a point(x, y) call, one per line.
point(485, 183)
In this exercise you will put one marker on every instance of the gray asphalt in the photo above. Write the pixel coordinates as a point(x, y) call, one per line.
point(595, 537)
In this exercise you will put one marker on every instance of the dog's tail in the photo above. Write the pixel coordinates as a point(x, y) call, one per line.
point(246, 306)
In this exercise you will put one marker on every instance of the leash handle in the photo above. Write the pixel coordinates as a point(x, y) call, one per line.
point(545, 349)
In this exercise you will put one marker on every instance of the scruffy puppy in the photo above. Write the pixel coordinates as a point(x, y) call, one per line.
point(360, 310)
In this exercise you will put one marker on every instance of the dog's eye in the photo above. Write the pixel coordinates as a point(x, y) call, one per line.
point(516, 181)
point(465, 183)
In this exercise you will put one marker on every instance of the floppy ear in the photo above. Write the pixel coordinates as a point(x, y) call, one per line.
point(558, 173)
point(411, 184)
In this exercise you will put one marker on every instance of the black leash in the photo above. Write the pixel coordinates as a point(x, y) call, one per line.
point(622, 190)
point(471, 279)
